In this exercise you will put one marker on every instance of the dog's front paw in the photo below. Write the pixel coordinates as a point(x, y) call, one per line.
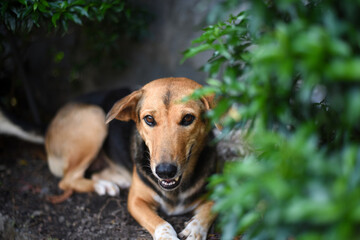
point(103, 187)
point(194, 231)
point(165, 232)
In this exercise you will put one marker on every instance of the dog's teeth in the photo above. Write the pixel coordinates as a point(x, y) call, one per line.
point(169, 183)
point(166, 183)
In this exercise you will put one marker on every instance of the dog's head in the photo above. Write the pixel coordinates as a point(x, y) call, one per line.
point(173, 130)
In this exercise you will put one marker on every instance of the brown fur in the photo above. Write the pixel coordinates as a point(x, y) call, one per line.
point(71, 148)
point(77, 132)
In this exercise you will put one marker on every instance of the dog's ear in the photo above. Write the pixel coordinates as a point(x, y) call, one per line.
point(125, 108)
point(208, 101)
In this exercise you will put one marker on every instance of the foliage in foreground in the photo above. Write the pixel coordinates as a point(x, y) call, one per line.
point(292, 70)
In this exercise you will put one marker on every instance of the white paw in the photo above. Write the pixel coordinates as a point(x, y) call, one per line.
point(194, 231)
point(103, 187)
point(165, 232)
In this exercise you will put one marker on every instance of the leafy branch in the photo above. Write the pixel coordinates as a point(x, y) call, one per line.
point(291, 69)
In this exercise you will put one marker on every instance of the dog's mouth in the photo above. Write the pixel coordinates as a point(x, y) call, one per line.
point(170, 184)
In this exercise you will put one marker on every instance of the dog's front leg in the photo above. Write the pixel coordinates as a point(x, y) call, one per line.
point(142, 207)
point(198, 227)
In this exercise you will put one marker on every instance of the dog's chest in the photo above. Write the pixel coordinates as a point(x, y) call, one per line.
point(175, 209)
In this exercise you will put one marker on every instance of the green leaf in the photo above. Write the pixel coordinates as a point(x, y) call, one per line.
point(78, 2)
point(248, 220)
point(191, 52)
point(73, 17)
point(214, 82)
point(42, 8)
point(45, 3)
point(24, 2)
point(344, 70)
point(230, 75)
point(221, 49)
point(59, 57)
point(82, 11)
point(213, 66)
point(64, 25)
point(11, 22)
point(54, 19)
point(64, 4)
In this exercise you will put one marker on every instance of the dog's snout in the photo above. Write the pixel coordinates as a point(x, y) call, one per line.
point(166, 170)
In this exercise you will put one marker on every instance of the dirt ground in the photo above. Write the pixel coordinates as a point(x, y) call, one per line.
point(25, 182)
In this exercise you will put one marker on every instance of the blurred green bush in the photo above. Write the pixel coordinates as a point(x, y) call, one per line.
point(292, 70)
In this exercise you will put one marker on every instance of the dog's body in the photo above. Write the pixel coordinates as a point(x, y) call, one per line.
point(162, 154)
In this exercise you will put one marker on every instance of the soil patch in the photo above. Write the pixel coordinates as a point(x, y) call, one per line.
point(25, 182)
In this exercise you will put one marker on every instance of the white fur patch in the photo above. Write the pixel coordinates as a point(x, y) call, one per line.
point(194, 231)
point(115, 174)
point(165, 232)
point(56, 165)
point(103, 187)
point(179, 209)
point(9, 128)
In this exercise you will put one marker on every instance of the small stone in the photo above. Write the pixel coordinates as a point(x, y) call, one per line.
point(61, 219)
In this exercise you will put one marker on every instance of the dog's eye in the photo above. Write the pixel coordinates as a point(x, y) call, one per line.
point(149, 120)
point(187, 120)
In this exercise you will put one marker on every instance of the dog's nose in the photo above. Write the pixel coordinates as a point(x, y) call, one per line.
point(166, 170)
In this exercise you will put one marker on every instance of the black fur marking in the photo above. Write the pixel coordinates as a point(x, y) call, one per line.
point(190, 152)
point(206, 165)
point(141, 158)
point(166, 98)
point(143, 166)
point(117, 144)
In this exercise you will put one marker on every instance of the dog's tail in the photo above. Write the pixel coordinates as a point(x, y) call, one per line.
point(17, 128)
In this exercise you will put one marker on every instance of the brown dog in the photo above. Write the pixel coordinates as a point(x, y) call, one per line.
point(170, 157)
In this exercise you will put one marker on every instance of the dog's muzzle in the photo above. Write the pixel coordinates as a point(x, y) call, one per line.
point(170, 184)
point(167, 176)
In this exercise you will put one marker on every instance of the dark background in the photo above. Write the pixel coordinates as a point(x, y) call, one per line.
point(59, 66)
